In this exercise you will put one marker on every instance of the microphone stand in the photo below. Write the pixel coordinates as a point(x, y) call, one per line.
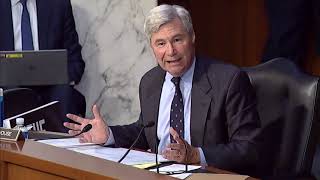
point(185, 146)
point(150, 124)
point(156, 149)
point(186, 167)
point(125, 154)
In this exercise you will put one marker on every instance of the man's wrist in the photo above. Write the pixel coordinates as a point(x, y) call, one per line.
point(192, 154)
point(109, 139)
point(195, 155)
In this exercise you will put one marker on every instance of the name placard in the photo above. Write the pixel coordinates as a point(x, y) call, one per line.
point(10, 134)
point(11, 146)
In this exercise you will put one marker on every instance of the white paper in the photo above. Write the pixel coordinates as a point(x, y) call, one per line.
point(65, 143)
point(114, 154)
point(176, 168)
point(181, 176)
point(111, 154)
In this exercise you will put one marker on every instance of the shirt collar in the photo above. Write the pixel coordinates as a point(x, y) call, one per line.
point(187, 76)
point(14, 2)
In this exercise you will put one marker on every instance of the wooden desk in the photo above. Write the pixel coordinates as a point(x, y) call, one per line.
point(37, 161)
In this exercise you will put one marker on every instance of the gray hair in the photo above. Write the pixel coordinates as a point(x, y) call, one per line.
point(163, 14)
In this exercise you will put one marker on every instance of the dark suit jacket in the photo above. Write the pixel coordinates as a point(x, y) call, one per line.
point(56, 30)
point(224, 119)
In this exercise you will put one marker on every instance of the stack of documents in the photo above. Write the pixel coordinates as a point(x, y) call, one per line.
point(112, 154)
point(135, 158)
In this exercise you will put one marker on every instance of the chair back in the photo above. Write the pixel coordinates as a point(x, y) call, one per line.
point(288, 105)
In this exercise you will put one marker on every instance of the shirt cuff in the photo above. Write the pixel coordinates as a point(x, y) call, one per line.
point(203, 161)
point(110, 140)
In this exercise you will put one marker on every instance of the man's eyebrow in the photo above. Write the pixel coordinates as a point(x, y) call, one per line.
point(175, 36)
point(178, 35)
point(158, 40)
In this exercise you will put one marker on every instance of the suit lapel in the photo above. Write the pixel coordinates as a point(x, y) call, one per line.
point(152, 107)
point(6, 32)
point(200, 103)
point(43, 11)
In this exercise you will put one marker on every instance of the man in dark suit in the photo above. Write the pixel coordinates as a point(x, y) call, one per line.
point(42, 25)
point(204, 110)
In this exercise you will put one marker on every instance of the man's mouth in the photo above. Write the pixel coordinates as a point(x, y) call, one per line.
point(174, 61)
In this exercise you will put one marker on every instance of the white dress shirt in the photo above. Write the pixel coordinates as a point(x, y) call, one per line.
point(17, 8)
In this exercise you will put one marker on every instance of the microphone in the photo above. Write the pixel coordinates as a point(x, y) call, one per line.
point(85, 129)
point(39, 135)
point(149, 124)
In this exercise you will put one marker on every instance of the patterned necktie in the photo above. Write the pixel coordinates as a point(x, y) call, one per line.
point(177, 113)
point(26, 33)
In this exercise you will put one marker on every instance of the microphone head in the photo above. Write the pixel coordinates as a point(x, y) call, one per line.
point(149, 124)
point(86, 128)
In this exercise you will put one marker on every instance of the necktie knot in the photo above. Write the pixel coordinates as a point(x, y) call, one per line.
point(23, 2)
point(176, 81)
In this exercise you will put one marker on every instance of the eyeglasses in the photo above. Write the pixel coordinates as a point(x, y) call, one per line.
point(169, 172)
point(173, 172)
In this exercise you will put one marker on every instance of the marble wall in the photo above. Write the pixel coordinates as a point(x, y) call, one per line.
point(116, 53)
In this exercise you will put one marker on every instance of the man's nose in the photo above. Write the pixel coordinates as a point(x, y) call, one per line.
point(170, 49)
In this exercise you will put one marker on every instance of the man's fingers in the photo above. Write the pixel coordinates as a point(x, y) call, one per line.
point(176, 146)
point(81, 135)
point(173, 155)
point(72, 126)
point(175, 136)
point(83, 140)
point(173, 132)
point(96, 112)
point(72, 132)
point(75, 118)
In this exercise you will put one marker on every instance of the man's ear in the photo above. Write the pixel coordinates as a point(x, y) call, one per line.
point(193, 37)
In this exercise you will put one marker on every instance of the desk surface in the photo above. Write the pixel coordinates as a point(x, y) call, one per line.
point(33, 159)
